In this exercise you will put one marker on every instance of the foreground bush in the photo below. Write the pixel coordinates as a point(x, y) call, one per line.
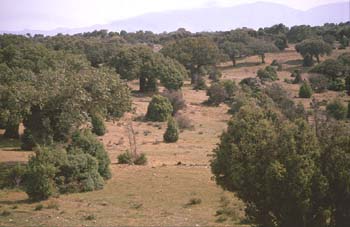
point(89, 144)
point(40, 177)
point(217, 94)
point(171, 134)
point(159, 109)
point(265, 162)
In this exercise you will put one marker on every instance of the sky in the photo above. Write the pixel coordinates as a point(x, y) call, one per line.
point(51, 14)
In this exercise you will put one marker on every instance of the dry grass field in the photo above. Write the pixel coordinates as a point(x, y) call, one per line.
point(159, 193)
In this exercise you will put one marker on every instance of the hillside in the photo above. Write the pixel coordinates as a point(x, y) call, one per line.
point(219, 18)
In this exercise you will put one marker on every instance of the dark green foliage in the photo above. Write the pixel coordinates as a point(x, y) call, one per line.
point(79, 173)
point(336, 109)
point(12, 127)
point(98, 125)
point(250, 83)
point(319, 83)
point(285, 103)
point(171, 134)
point(140, 159)
point(230, 87)
point(336, 85)
point(125, 158)
point(331, 68)
point(348, 114)
point(159, 109)
point(193, 53)
point(266, 161)
point(308, 61)
point(267, 74)
point(335, 162)
point(39, 181)
point(281, 43)
point(176, 99)
point(13, 175)
point(313, 48)
point(200, 83)
point(347, 84)
point(297, 77)
point(130, 159)
point(214, 74)
point(305, 91)
point(217, 94)
point(27, 141)
point(88, 143)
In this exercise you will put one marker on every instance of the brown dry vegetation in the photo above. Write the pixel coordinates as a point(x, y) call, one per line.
point(158, 193)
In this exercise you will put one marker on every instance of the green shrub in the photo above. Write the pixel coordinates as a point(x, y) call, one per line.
point(79, 174)
point(347, 84)
point(318, 83)
point(308, 61)
point(159, 109)
point(89, 144)
point(98, 125)
point(14, 176)
point(297, 77)
point(230, 87)
point(214, 74)
point(336, 109)
point(336, 85)
point(217, 94)
point(200, 84)
point(267, 74)
point(171, 134)
point(194, 201)
point(39, 207)
point(348, 115)
point(305, 91)
point(125, 158)
point(140, 159)
point(39, 181)
point(27, 140)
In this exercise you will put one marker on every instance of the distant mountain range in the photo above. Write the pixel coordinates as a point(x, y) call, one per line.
point(255, 15)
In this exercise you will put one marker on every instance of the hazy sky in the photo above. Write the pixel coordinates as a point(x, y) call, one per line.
point(50, 14)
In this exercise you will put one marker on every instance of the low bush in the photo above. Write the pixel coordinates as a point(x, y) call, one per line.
point(318, 83)
point(200, 84)
point(98, 125)
point(141, 159)
point(125, 158)
point(89, 144)
point(217, 94)
point(305, 91)
point(171, 134)
point(183, 122)
point(336, 109)
point(336, 85)
point(159, 109)
point(27, 140)
point(176, 99)
point(267, 74)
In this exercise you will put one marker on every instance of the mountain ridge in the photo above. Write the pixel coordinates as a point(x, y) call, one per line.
point(217, 19)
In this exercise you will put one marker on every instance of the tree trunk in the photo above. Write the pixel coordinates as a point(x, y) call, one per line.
point(318, 58)
point(233, 61)
point(263, 58)
point(142, 84)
